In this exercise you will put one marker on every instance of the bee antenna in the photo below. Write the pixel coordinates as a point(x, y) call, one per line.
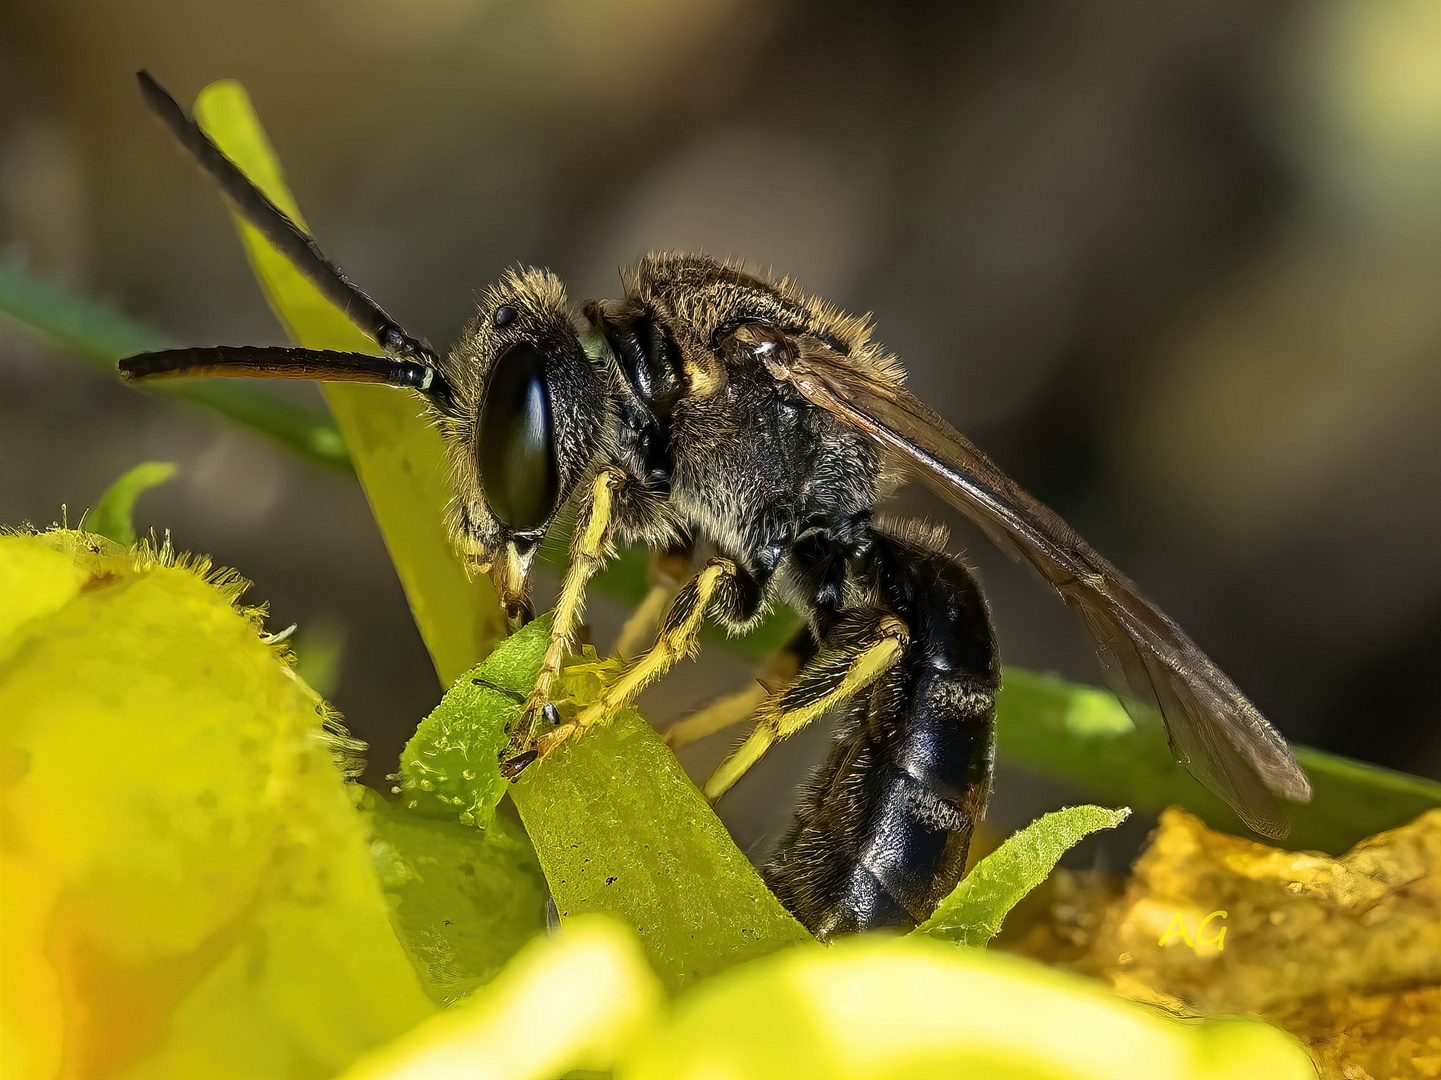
point(280, 229)
point(288, 362)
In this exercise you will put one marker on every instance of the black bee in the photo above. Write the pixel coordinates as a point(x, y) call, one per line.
point(722, 407)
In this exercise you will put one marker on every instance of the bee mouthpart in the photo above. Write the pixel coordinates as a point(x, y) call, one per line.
point(510, 574)
point(518, 613)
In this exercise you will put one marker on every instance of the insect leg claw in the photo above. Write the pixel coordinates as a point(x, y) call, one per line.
point(513, 767)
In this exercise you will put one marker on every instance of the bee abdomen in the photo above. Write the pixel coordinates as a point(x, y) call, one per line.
point(882, 831)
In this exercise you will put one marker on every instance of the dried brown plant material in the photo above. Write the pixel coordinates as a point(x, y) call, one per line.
point(1344, 952)
point(1370, 1036)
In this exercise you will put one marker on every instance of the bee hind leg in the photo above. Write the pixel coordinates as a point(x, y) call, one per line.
point(858, 653)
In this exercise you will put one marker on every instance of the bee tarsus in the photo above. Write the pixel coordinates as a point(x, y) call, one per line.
point(513, 767)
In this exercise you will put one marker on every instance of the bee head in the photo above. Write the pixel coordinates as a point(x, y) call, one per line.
point(527, 424)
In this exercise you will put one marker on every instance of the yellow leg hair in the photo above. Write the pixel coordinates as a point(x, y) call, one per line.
point(676, 641)
point(589, 549)
point(829, 679)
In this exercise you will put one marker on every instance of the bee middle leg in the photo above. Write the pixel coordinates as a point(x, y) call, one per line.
point(678, 638)
point(669, 569)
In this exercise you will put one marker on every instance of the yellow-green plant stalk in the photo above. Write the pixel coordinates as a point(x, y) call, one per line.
point(397, 455)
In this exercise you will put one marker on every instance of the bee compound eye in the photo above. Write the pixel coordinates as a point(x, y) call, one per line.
point(515, 444)
point(504, 315)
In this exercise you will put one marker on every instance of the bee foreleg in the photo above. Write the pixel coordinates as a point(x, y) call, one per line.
point(861, 653)
point(589, 549)
point(777, 672)
point(677, 640)
point(668, 571)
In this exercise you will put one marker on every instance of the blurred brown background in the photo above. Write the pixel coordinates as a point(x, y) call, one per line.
point(1176, 265)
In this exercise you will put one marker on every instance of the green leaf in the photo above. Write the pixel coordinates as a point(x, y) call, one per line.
point(188, 889)
point(972, 914)
point(462, 902)
point(449, 767)
point(617, 825)
point(101, 336)
point(112, 516)
point(878, 1008)
point(620, 829)
point(397, 454)
point(1084, 735)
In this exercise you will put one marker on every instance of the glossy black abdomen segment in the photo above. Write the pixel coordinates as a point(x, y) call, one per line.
point(882, 830)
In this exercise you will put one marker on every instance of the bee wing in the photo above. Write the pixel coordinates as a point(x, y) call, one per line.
point(1149, 661)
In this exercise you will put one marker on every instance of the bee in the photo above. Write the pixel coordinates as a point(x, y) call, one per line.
point(721, 407)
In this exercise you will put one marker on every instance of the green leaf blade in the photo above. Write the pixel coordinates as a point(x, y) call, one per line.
point(112, 517)
point(101, 337)
point(92, 331)
point(462, 902)
point(620, 829)
point(449, 768)
point(617, 825)
point(972, 914)
point(1083, 735)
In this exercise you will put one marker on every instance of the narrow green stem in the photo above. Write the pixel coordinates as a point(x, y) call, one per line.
point(100, 337)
